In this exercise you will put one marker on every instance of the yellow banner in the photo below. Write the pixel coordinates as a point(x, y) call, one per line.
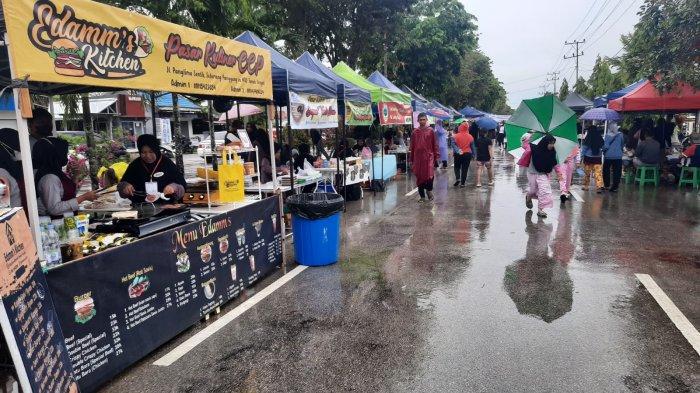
point(88, 43)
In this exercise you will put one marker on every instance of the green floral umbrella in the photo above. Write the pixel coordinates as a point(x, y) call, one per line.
point(544, 115)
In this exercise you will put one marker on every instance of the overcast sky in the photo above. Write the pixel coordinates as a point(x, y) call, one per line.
point(525, 38)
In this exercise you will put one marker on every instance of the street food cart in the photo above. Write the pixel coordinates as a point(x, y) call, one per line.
point(79, 324)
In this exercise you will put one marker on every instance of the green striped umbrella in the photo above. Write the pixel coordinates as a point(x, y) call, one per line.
point(544, 115)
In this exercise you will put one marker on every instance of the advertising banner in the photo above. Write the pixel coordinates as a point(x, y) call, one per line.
point(357, 114)
point(27, 316)
point(87, 43)
point(394, 113)
point(163, 131)
point(117, 306)
point(310, 111)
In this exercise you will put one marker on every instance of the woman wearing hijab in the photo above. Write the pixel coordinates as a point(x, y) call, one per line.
point(153, 172)
point(592, 152)
point(441, 135)
point(424, 152)
point(543, 160)
point(10, 170)
point(56, 192)
point(613, 146)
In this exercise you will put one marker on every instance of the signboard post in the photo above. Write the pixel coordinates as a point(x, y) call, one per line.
point(310, 111)
point(29, 323)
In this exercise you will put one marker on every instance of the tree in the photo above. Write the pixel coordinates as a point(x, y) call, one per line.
point(581, 87)
point(665, 44)
point(475, 85)
point(602, 80)
point(433, 44)
point(564, 90)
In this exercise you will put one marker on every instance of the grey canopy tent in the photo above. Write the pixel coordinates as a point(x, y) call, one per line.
point(577, 102)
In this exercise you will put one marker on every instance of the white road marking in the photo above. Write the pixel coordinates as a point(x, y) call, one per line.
point(682, 323)
point(412, 192)
point(192, 342)
point(576, 196)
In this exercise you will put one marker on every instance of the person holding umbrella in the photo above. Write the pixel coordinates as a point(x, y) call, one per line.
point(592, 152)
point(424, 152)
point(543, 160)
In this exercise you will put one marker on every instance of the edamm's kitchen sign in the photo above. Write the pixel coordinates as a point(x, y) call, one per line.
point(84, 42)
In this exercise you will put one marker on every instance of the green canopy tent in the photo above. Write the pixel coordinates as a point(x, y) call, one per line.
point(378, 93)
point(544, 115)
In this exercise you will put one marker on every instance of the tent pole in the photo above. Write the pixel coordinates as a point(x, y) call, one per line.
point(290, 138)
point(52, 111)
point(90, 140)
point(28, 174)
point(210, 118)
point(153, 113)
point(273, 160)
point(345, 169)
point(178, 144)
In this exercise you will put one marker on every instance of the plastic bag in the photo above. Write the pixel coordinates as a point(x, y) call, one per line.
point(315, 206)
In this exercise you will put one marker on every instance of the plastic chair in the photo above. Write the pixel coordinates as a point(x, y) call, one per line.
point(693, 179)
point(642, 177)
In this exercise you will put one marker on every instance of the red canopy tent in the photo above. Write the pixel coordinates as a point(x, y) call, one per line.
point(647, 98)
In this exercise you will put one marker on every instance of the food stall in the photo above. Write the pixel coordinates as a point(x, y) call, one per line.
point(393, 108)
point(153, 272)
point(310, 99)
point(355, 107)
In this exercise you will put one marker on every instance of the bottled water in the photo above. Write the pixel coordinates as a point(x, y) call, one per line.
point(52, 249)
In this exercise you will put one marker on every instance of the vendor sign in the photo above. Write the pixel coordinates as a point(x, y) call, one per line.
point(29, 322)
point(87, 43)
point(358, 114)
point(391, 113)
point(310, 111)
point(118, 305)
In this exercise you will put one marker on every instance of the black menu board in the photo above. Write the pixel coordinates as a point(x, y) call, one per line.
point(117, 306)
point(27, 315)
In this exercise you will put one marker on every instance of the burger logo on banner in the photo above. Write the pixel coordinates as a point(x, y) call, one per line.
point(82, 48)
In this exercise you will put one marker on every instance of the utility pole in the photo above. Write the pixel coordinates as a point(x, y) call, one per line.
point(554, 78)
point(543, 89)
point(576, 54)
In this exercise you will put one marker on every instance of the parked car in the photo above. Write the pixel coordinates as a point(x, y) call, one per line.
point(204, 147)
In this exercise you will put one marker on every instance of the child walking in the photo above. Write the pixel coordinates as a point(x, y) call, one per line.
point(543, 160)
point(484, 155)
point(565, 173)
point(592, 152)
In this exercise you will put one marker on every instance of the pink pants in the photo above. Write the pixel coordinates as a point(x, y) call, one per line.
point(540, 189)
point(565, 173)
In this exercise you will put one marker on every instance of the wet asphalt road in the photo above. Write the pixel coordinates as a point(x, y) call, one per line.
point(469, 294)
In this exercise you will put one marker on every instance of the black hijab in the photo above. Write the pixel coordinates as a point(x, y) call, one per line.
point(49, 156)
point(163, 171)
point(9, 144)
point(544, 159)
point(594, 140)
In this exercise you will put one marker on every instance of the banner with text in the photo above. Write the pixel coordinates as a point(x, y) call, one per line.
point(87, 43)
point(357, 114)
point(117, 306)
point(310, 111)
point(394, 113)
point(27, 316)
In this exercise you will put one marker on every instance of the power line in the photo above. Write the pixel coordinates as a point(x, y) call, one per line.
point(611, 26)
point(582, 20)
point(606, 19)
point(525, 79)
point(600, 11)
point(554, 78)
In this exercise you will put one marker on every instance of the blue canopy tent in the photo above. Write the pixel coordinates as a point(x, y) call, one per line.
point(289, 76)
point(345, 89)
point(380, 80)
point(603, 100)
point(470, 112)
point(418, 102)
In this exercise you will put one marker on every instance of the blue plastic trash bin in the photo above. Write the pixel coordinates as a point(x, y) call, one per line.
point(316, 227)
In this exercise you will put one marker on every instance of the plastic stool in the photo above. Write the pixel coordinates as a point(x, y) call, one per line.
point(693, 180)
point(642, 177)
point(629, 176)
